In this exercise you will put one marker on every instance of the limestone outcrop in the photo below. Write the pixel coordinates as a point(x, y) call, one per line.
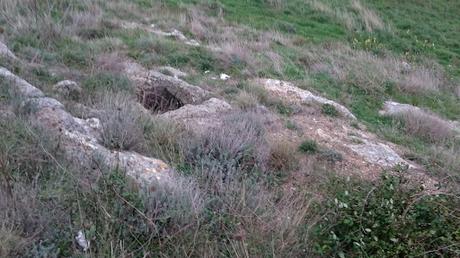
point(161, 93)
point(80, 138)
point(287, 91)
point(199, 117)
point(6, 53)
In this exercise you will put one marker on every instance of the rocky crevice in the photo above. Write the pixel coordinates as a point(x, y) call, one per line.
point(161, 93)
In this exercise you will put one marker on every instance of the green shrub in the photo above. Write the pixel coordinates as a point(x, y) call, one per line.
point(331, 156)
point(284, 109)
point(329, 110)
point(292, 125)
point(393, 218)
point(308, 146)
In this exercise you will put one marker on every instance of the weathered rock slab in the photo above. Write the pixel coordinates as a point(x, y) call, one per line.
point(5, 52)
point(289, 92)
point(187, 93)
point(174, 33)
point(80, 137)
point(378, 153)
point(204, 116)
point(154, 87)
point(22, 87)
point(174, 72)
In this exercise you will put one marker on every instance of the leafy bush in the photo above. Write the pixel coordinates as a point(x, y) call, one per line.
point(308, 146)
point(390, 219)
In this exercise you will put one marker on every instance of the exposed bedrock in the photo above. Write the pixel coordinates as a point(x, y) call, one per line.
point(80, 138)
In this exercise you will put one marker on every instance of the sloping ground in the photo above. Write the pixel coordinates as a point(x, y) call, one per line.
point(233, 165)
point(361, 150)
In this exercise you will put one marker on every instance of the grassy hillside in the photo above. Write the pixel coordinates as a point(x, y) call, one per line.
point(238, 191)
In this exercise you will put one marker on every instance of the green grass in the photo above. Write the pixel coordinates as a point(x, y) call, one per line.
point(308, 146)
point(416, 25)
point(297, 18)
point(153, 50)
point(425, 21)
point(329, 110)
point(435, 22)
point(103, 82)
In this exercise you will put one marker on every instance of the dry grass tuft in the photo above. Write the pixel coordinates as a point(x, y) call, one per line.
point(427, 126)
point(422, 79)
point(447, 159)
point(372, 72)
point(122, 122)
point(163, 140)
point(246, 100)
point(11, 242)
point(36, 17)
point(282, 155)
point(370, 19)
point(112, 62)
point(351, 14)
point(238, 143)
point(237, 45)
point(181, 201)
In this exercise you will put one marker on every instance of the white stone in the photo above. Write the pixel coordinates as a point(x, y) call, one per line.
point(81, 241)
point(224, 76)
